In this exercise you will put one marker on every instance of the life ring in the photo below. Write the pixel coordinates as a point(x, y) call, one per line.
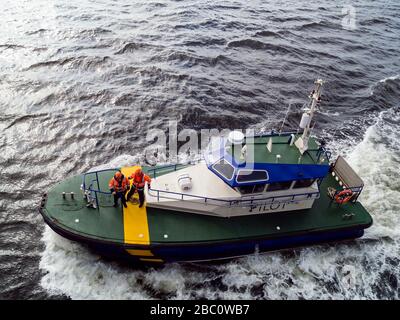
point(344, 196)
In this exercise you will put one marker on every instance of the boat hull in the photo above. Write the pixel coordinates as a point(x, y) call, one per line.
point(153, 235)
point(210, 251)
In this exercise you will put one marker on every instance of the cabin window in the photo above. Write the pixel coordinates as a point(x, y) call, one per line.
point(303, 183)
point(279, 186)
point(258, 188)
point(224, 168)
point(252, 175)
point(246, 189)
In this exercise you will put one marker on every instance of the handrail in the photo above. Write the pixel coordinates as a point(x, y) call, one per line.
point(97, 178)
point(175, 166)
point(274, 133)
point(154, 170)
point(90, 188)
point(320, 151)
point(98, 190)
point(355, 190)
point(228, 202)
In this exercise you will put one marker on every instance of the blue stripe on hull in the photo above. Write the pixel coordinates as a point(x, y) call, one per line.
point(226, 250)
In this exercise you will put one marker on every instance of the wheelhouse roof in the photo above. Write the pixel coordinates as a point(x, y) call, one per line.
point(232, 165)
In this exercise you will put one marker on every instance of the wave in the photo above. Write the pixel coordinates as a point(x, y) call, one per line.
point(81, 62)
point(190, 59)
point(396, 77)
point(288, 19)
point(41, 30)
point(317, 25)
point(11, 46)
point(386, 92)
point(94, 32)
point(258, 45)
point(205, 42)
point(266, 33)
point(24, 118)
point(89, 34)
point(134, 46)
point(372, 21)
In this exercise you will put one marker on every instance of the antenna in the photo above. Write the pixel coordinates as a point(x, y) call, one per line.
point(315, 98)
point(312, 128)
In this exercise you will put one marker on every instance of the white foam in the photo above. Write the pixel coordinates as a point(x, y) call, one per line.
point(390, 78)
point(73, 270)
point(382, 82)
point(377, 161)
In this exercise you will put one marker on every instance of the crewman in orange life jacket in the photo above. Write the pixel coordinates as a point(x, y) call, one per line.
point(119, 185)
point(138, 184)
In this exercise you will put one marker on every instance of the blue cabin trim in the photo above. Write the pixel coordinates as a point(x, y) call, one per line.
point(276, 172)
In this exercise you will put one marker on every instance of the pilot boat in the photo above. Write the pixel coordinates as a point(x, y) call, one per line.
point(247, 195)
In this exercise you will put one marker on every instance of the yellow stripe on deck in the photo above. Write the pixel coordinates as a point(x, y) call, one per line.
point(136, 228)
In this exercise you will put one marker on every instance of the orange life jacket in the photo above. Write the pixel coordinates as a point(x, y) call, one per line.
point(139, 180)
point(119, 186)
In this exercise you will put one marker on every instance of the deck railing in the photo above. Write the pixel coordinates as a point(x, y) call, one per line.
point(91, 186)
point(244, 201)
point(171, 167)
point(89, 190)
point(318, 153)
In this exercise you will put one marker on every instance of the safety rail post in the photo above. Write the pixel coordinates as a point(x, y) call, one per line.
point(328, 155)
point(97, 180)
point(84, 182)
point(98, 189)
point(97, 201)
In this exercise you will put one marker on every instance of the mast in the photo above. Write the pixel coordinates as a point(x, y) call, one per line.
point(315, 98)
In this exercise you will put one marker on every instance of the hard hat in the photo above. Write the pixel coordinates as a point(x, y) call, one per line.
point(118, 175)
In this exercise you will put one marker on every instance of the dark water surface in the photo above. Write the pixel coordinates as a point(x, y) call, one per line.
point(81, 83)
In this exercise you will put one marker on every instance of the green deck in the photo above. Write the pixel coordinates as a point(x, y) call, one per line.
point(289, 154)
point(107, 223)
